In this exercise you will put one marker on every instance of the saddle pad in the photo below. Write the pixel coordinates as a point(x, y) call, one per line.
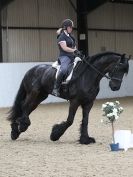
point(57, 66)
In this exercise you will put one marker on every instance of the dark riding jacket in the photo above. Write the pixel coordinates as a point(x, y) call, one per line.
point(70, 42)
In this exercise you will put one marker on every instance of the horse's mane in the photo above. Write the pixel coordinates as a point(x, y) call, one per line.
point(99, 55)
point(92, 59)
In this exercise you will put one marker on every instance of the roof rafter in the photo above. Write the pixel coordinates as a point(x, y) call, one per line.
point(4, 3)
point(122, 1)
point(93, 4)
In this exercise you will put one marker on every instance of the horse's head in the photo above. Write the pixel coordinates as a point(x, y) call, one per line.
point(117, 72)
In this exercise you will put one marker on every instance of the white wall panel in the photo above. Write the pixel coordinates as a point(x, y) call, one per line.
point(125, 90)
point(13, 74)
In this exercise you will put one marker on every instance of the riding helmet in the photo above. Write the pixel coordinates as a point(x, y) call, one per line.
point(67, 23)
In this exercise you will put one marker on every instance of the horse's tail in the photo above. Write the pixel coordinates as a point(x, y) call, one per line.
point(16, 109)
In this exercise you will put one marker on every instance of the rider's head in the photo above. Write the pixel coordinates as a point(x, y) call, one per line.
point(67, 25)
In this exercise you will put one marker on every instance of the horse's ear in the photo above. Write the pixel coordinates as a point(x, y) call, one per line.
point(123, 56)
point(130, 57)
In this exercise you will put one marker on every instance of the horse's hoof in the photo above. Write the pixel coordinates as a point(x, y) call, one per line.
point(53, 137)
point(54, 134)
point(14, 135)
point(92, 140)
point(87, 140)
point(58, 130)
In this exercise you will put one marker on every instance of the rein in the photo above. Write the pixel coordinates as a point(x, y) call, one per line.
point(104, 75)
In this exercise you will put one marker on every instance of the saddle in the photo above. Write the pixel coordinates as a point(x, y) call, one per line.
point(56, 65)
point(64, 90)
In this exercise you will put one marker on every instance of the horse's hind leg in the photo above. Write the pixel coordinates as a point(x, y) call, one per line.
point(59, 129)
point(32, 101)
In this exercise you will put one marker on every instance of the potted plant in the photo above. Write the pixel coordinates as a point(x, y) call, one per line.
point(112, 111)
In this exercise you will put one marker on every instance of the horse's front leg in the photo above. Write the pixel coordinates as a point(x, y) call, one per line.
point(84, 138)
point(59, 129)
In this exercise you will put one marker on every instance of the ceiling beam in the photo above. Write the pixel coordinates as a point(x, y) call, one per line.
point(93, 4)
point(122, 1)
point(4, 3)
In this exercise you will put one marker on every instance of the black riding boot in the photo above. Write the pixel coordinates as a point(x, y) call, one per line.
point(57, 84)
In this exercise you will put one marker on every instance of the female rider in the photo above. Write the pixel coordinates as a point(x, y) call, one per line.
point(67, 48)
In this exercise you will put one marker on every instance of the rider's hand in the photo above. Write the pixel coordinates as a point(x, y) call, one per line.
point(77, 53)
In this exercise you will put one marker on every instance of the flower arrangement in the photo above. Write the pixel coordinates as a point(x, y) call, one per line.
point(112, 111)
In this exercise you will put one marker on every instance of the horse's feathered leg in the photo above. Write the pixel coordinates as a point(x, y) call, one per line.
point(32, 100)
point(59, 129)
point(84, 138)
point(16, 111)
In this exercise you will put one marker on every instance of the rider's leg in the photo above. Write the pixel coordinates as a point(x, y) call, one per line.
point(64, 61)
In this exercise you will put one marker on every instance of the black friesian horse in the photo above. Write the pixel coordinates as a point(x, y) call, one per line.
point(83, 88)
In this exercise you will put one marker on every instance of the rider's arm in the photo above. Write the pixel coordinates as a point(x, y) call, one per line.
point(65, 48)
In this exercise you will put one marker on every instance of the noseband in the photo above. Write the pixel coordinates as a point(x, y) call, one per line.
point(115, 70)
point(104, 75)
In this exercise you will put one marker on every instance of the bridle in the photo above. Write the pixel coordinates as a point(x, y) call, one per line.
point(102, 74)
point(115, 70)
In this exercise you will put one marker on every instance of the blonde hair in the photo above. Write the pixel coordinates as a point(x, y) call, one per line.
point(58, 32)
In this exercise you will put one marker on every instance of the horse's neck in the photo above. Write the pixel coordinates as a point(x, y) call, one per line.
point(105, 64)
point(101, 66)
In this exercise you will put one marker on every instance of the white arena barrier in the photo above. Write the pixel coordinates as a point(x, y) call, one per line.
point(11, 75)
